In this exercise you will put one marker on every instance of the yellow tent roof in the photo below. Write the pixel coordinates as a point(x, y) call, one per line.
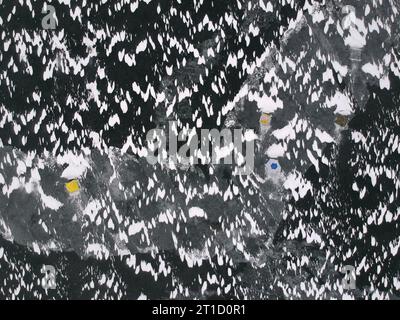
point(265, 119)
point(72, 186)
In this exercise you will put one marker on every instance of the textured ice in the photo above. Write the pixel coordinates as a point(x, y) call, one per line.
point(77, 102)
